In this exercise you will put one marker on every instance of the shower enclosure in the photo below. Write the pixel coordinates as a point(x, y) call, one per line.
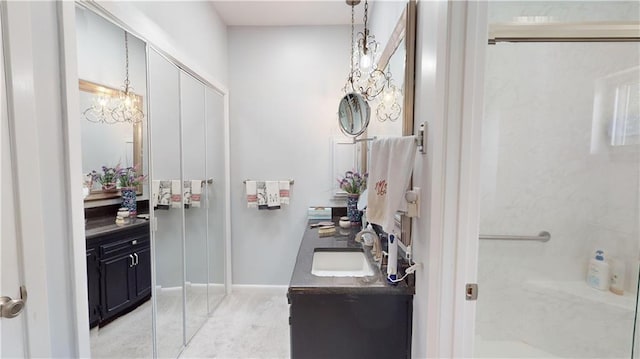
point(560, 153)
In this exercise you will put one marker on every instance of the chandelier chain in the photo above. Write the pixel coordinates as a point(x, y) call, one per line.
point(126, 64)
point(352, 37)
point(366, 10)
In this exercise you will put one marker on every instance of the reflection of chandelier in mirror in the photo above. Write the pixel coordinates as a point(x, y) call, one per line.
point(123, 108)
point(389, 105)
point(364, 76)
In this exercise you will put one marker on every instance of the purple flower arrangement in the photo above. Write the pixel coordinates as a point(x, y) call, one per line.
point(126, 177)
point(353, 182)
point(129, 177)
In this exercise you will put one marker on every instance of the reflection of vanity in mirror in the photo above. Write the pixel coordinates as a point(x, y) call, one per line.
point(107, 143)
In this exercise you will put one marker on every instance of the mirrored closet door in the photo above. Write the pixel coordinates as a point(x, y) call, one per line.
point(188, 157)
point(152, 283)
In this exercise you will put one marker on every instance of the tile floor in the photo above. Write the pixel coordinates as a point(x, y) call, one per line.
point(245, 325)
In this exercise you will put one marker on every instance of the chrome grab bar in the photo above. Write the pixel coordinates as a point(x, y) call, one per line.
point(543, 236)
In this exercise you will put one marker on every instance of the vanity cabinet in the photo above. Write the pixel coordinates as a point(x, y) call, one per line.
point(350, 325)
point(346, 317)
point(118, 272)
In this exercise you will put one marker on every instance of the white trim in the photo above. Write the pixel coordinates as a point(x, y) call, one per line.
point(73, 161)
point(259, 289)
point(227, 189)
point(23, 129)
point(475, 27)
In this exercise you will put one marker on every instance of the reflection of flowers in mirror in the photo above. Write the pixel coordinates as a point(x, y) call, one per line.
point(108, 175)
point(129, 177)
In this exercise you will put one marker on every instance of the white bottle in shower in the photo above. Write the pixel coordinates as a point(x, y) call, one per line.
point(598, 273)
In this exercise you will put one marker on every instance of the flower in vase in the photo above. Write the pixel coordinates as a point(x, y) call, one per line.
point(353, 182)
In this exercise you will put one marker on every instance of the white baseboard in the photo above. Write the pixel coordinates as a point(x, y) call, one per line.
point(259, 289)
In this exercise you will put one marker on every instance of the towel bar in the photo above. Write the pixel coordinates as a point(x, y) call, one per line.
point(290, 181)
point(543, 236)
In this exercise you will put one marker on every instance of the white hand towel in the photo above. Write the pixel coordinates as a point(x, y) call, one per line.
point(176, 194)
point(252, 194)
point(187, 193)
point(196, 193)
point(261, 191)
point(155, 193)
point(389, 175)
point(164, 198)
point(273, 194)
point(285, 187)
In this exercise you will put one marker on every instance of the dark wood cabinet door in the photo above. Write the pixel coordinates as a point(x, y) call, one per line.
point(116, 284)
point(143, 273)
point(93, 286)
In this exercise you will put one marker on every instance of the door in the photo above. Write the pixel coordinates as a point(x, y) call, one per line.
point(560, 154)
point(12, 344)
point(117, 283)
point(142, 271)
point(93, 280)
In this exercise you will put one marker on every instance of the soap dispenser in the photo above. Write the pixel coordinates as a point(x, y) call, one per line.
point(598, 272)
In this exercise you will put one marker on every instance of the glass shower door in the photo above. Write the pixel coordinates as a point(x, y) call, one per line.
point(560, 154)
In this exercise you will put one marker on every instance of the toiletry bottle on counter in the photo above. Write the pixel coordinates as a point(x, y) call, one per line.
point(598, 272)
point(617, 276)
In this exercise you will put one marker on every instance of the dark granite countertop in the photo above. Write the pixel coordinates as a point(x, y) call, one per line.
point(303, 282)
point(105, 225)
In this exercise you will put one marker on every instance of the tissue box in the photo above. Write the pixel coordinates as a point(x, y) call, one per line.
point(319, 212)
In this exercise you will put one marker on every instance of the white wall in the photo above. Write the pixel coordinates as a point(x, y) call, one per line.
point(539, 173)
point(191, 32)
point(285, 86)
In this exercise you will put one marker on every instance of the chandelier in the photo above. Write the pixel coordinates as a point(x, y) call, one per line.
point(364, 76)
point(121, 108)
point(389, 107)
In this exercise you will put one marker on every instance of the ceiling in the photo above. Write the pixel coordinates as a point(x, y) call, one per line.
point(287, 12)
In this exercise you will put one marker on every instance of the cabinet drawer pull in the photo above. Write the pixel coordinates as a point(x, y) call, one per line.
point(132, 262)
point(137, 260)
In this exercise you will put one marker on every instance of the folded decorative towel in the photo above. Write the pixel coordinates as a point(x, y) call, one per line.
point(186, 189)
point(155, 193)
point(273, 194)
point(176, 194)
point(196, 193)
point(261, 191)
point(389, 175)
point(164, 197)
point(252, 194)
point(285, 187)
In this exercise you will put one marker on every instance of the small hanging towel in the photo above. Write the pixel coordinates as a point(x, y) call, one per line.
point(389, 175)
point(176, 194)
point(186, 190)
point(196, 193)
point(155, 193)
point(252, 194)
point(273, 194)
point(164, 198)
point(285, 187)
point(261, 190)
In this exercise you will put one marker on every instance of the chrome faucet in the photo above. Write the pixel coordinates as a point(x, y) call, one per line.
point(376, 252)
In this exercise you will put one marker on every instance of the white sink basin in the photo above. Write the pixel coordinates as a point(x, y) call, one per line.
point(334, 263)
